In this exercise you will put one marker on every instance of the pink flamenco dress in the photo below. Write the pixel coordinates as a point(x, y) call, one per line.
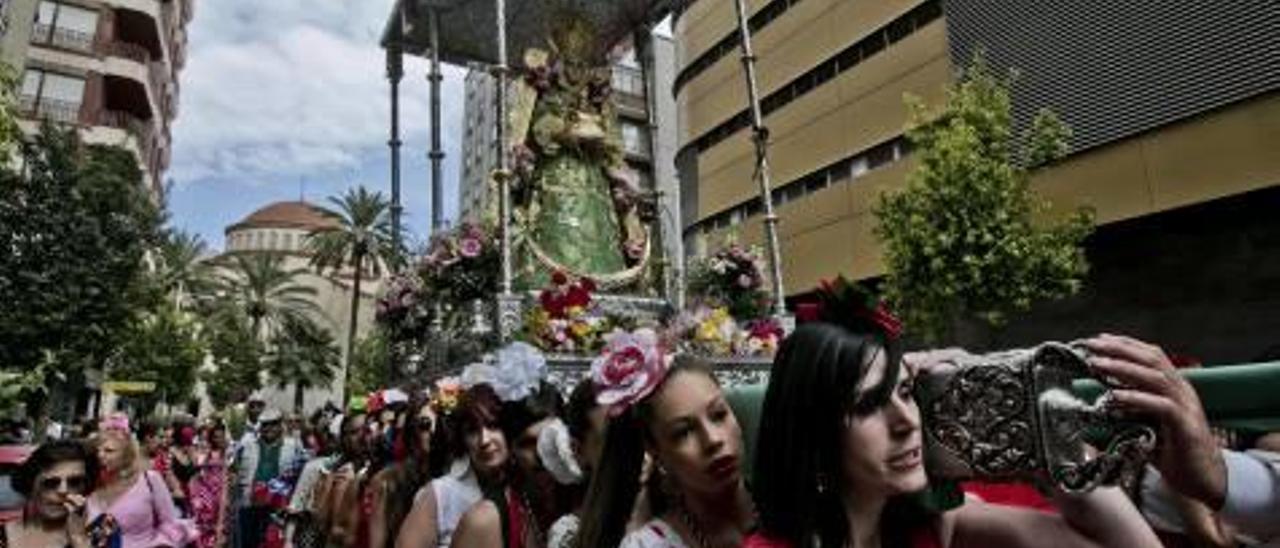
point(207, 488)
point(146, 515)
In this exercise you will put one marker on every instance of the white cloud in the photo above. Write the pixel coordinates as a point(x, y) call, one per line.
point(279, 89)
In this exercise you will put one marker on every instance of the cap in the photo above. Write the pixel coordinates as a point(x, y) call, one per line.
point(270, 415)
point(393, 396)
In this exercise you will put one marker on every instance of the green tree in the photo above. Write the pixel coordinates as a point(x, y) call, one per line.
point(304, 355)
point(360, 240)
point(967, 238)
point(75, 223)
point(163, 347)
point(236, 355)
point(182, 272)
point(9, 132)
point(268, 293)
point(369, 364)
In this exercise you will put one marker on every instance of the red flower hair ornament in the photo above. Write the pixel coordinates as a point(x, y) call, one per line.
point(845, 303)
point(629, 368)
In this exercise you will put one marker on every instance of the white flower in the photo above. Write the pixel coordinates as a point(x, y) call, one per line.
point(555, 450)
point(519, 369)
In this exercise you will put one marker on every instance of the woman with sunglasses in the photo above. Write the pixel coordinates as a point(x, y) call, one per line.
point(415, 463)
point(54, 480)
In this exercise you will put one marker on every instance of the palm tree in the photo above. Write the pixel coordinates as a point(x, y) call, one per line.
point(182, 271)
point(267, 292)
point(303, 354)
point(360, 239)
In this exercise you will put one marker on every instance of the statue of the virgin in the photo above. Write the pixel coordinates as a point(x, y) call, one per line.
point(578, 207)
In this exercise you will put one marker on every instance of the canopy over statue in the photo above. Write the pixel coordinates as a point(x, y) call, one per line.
point(468, 33)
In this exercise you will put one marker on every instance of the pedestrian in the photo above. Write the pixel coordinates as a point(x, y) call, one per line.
point(265, 470)
point(208, 487)
point(55, 479)
point(438, 507)
point(132, 494)
point(416, 464)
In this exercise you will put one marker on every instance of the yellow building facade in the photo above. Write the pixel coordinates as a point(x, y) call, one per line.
point(833, 75)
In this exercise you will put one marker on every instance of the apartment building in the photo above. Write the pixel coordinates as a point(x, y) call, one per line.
point(108, 67)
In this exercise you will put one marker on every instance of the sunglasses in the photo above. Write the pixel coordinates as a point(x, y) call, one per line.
point(74, 484)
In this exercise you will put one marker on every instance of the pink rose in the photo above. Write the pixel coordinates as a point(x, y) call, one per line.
point(469, 247)
point(630, 367)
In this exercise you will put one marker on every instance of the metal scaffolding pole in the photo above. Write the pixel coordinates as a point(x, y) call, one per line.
point(760, 137)
point(436, 155)
point(501, 172)
point(395, 72)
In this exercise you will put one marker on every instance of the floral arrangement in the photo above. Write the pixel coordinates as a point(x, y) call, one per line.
point(566, 320)
point(461, 265)
point(714, 332)
point(401, 307)
point(733, 278)
point(631, 365)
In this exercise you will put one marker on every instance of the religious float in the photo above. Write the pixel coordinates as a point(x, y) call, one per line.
point(569, 258)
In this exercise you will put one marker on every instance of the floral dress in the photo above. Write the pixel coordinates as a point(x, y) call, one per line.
point(206, 489)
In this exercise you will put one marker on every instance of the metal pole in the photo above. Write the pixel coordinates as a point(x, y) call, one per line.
point(436, 155)
point(760, 137)
point(395, 71)
point(504, 183)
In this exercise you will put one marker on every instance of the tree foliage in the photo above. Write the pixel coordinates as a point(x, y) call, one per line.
point(304, 355)
point(236, 354)
point(967, 238)
point(369, 364)
point(268, 293)
point(164, 347)
point(75, 222)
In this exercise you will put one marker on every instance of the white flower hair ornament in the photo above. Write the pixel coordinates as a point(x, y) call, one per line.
point(514, 372)
point(629, 368)
point(555, 450)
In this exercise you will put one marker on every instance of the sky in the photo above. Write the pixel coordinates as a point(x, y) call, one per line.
point(288, 98)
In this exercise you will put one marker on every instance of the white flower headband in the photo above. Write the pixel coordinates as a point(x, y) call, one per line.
point(514, 372)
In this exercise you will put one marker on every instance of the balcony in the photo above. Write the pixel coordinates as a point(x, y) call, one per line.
point(54, 110)
point(127, 50)
point(42, 34)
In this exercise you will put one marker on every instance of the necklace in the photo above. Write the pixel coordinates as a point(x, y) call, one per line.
point(691, 524)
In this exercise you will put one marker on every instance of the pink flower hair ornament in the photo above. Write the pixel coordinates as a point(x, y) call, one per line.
point(629, 368)
point(115, 422)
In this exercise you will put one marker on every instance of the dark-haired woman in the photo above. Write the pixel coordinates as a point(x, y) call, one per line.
point(438, 507)
point(679, 417)
point(394, 487)
point(584, 424)
point(55, 480)
point(520, 513)
point(844, 455)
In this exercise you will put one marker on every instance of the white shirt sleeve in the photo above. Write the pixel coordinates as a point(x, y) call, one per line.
point(1253, 492)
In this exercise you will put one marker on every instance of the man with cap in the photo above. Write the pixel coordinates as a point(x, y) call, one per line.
point(266, 466)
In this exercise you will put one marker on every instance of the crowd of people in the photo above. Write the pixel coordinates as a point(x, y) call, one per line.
point(645, 453)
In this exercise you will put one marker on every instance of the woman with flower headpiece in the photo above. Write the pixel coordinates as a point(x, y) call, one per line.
point(472, 436)
point(134, 496)
point(674, 411)
point(518, 513)
point(842, 452)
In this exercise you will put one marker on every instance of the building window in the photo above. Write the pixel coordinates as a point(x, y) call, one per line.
point(273, 240)
point(635, 139)
point(628, 80)
point(52, 95)
point(65, 26)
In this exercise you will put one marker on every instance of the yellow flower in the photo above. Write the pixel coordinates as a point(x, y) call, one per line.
point(580, 329)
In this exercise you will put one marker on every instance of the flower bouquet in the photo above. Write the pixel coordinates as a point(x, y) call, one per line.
point(566, 320)
point(714, 332)
point(732, 278)
point(401, 308)
point(461, 265)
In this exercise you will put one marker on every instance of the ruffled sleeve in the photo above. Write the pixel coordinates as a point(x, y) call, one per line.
point(171, 530)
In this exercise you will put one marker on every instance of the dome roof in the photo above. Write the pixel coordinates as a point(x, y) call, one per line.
point(295, 215)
